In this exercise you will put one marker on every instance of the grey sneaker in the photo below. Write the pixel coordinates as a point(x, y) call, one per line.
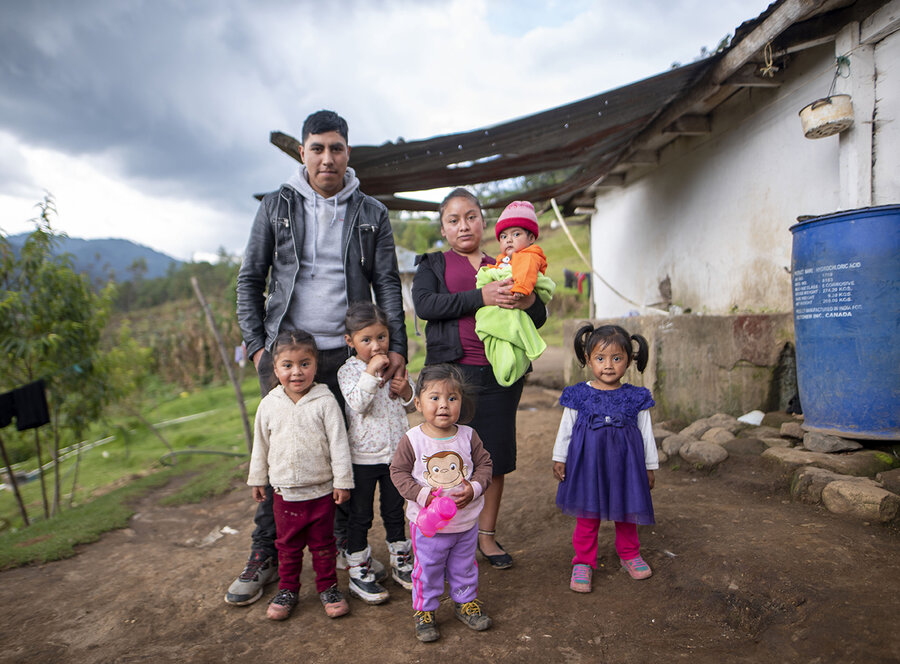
point(248, 587)
point(470, 613)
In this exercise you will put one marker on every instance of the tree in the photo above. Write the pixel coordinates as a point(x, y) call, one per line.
point(51, 322)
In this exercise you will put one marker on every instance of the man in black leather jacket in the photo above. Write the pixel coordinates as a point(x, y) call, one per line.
point(316, 245)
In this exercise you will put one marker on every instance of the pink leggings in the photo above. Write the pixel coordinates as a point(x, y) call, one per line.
point(584, 541)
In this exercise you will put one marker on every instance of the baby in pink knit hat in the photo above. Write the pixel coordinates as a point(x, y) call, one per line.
point(517, 230)
point(511, 341)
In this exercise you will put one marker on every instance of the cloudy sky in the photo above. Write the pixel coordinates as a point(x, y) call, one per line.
point(149, 119)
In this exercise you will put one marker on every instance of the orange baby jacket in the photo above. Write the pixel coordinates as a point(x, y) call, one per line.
point(525, 265)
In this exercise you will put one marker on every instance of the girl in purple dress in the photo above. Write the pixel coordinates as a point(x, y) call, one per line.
point(605, 452)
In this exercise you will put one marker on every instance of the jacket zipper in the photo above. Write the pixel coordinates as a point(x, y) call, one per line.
point(290, 218)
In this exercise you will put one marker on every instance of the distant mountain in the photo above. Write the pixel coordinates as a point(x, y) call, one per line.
point(101, 258)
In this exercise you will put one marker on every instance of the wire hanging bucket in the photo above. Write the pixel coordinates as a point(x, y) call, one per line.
point(832, 114)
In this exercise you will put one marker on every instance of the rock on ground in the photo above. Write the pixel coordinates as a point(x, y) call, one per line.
point(717, 435)
point(865, 500)
point(823, 442)
point(777, 441)
point(675, 442)
point(866, 463)
point(700, 452)
point(728, 422)
point(745, 446)
point(777, 418)
point(761, 432)
point(696, 429)
point(890, 479)
point(792, 429)
point(809, 482)
point(660, 433)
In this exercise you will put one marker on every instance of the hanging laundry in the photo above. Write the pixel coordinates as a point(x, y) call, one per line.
point(28, 404)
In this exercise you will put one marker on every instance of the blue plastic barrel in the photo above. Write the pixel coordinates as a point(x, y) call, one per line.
point(846, 282)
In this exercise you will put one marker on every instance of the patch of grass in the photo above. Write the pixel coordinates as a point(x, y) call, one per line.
point(887, 459)
point(108, 464)
point(56, 538)
point(215, 479)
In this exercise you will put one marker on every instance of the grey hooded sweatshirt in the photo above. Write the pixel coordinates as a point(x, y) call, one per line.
point(320, 281)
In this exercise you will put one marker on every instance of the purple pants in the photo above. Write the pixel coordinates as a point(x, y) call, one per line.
point(446, 554)
point(305, 523)
point(584, 541)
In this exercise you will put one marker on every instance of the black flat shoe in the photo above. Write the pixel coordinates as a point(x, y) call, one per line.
point(498, 561)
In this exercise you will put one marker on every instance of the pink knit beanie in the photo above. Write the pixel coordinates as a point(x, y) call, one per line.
point(518, 213)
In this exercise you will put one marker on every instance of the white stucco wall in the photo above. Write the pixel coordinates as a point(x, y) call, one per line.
point(714, 215)
point(886, 169)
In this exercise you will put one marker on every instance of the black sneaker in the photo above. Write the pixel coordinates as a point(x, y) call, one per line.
point(281, 605)
point(426, 629)
point(470, 613)
point(334, 602)
point(248, 587)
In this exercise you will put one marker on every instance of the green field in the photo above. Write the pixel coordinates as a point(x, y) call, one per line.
point(115, 473)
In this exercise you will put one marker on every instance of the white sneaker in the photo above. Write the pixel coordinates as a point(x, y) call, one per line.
point(363, 583)
point(379, 570)
point(401, 562)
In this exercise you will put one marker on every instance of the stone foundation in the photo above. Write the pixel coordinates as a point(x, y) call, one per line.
point(707, 364)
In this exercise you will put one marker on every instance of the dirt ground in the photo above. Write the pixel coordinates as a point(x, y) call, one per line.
point(741, 574)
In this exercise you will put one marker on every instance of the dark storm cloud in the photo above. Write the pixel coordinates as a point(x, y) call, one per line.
point(170, 90)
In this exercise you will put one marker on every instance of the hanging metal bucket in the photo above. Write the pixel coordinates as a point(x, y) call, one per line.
point(827, 117)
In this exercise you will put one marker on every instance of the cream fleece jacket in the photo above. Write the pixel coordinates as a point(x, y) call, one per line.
point(301, 446)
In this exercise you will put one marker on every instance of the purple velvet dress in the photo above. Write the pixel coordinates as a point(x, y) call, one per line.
point(606, 474)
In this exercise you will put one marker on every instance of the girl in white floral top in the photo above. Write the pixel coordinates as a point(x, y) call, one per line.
point(376, 416)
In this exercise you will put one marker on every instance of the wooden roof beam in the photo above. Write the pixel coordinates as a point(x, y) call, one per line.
point(823, 28)
point(609, 181)
point(739, 55)
point(881, 23)
point(777, 22)
point(749, 76)
point(641, 158)
point(689, 125)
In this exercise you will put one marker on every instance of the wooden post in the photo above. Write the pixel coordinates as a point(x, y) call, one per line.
point(226, 360)
point(15, 485)
point(856, 144)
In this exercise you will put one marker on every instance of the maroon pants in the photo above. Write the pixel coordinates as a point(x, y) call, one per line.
point(305, 523)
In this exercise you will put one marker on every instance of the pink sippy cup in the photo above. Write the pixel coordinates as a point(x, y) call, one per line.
point(437, 515)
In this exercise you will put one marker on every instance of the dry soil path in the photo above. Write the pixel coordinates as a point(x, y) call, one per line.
point(741, 574)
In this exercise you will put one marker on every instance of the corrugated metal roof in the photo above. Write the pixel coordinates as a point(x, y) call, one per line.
point(586, 135)
point(619, 129)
